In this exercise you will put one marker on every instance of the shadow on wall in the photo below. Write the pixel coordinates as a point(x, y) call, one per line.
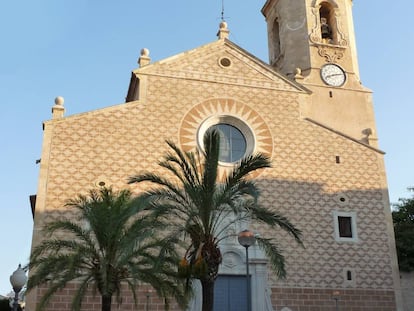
point(326, 261)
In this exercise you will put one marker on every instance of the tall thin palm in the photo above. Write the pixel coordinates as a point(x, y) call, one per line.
point(113, 241)
point(199, 200)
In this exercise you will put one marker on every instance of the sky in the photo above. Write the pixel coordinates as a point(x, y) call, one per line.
point(85, 50)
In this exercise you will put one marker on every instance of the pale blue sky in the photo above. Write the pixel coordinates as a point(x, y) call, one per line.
point(85, 50)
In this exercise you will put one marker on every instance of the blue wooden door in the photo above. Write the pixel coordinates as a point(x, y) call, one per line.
point(230, 293)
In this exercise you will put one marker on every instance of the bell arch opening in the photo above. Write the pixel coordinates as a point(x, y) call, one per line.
point(328, 23)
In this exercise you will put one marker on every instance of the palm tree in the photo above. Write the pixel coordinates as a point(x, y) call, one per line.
point(113, 241)
point(201, 200)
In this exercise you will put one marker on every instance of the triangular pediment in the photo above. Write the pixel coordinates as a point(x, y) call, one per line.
point(224, 62)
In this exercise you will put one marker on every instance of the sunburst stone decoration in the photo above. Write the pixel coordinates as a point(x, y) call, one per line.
point(226, 111)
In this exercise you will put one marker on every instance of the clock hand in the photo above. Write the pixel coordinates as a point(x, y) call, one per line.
point(333, 75)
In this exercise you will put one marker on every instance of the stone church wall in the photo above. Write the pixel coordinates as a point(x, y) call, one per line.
point(316, 173)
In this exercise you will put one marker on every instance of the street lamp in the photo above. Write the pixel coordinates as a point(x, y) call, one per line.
point(17, 280)
point(148, 299)
point(246, 238)
point(335, 296)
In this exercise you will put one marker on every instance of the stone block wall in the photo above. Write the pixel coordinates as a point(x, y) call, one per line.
point(315, 299)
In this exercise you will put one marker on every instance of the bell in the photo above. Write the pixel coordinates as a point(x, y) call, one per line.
point(325, 29)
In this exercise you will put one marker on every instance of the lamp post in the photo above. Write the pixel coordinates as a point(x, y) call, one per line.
point(17, 280)
point(246, 239)
point(148, 299)
point(335, 296)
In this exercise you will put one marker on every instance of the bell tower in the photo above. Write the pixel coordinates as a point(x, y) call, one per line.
point(313, 42)
point(307, 33)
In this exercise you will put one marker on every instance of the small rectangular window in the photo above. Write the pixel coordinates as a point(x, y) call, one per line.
point(345, 226)
point(349, 275)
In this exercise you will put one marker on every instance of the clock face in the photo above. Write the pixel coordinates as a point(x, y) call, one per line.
point(333, 75)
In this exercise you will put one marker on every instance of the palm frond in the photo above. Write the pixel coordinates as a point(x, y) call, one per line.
point(274, 254)
point(210, 169)
point(248, 164)
point(185, 162)
point(80, 294)
point(157, 180)
point(273, 219)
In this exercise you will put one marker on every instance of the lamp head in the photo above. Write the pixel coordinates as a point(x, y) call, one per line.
point(18, 279)
point(246, 238)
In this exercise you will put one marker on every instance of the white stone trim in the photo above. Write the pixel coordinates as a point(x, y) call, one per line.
point(353, 216)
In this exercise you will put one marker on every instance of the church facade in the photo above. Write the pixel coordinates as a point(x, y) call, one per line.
point(306, 109)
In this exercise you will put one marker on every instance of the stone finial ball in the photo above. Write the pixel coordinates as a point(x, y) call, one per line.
point(59, 101)
point(145, 52)
point(223, 25)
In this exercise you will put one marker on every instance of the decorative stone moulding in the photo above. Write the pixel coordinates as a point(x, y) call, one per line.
point(218, 110)
point(331, 54)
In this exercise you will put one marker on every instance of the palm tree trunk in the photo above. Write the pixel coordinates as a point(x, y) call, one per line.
point(208, 295)
point(106, 301)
